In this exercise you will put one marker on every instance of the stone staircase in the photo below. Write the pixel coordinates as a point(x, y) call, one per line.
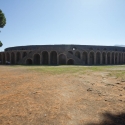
point(76, 59)
point(29, 55)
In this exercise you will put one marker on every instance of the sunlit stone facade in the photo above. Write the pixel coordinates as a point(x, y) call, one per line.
point(63, 55)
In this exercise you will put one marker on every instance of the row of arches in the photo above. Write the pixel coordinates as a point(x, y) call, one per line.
point(12, 57)
point(46, 60)
point(100, 58)
point(52, 58)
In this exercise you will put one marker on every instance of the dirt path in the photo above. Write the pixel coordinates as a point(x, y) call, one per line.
point(34, 98)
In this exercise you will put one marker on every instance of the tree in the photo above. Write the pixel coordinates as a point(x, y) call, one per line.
point(2, 19)
point(2, 22)
point(0, 44)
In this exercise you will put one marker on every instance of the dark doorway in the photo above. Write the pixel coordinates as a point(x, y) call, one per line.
point(37, 59)
point(18, 56)
point(98, 57)
point(29, 62)
point(62, 59)
point(103, 58)
point(91, 58)
point(53, 58)
point(45, 58)
point(70, 62)
point(12, 58)
point(84, 57)
point(108, 58)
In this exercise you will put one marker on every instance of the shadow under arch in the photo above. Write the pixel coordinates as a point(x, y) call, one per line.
point(45, 58)
point(53, 58)
point(29, 62)
point(108, 57)
point(85, 57)
point(62, 59)
point(103, 58)
point(98, 58)
point(8, 57)
point(77, 54)
point(36, 59)
point(18, 56)
point(91, 58)
point(70, 62)
point(12, 58)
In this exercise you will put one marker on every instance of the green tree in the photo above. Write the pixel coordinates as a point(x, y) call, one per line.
point(2, 19)
point(2, 22)
point(0, 44)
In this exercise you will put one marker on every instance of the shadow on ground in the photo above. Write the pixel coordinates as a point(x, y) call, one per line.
point(111, 119)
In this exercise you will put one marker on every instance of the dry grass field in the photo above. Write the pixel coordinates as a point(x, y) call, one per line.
point(62, 95)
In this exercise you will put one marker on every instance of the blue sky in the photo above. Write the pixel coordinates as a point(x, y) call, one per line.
point(85, 22)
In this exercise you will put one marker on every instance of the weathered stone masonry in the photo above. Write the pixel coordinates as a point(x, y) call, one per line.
point(64, 55)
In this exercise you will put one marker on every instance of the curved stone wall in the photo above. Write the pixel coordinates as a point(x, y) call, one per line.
point(64, 55)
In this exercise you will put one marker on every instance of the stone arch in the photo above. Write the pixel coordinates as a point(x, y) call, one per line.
point(45, 58)
point(91, 58)
point(18, 56)
point(29, 62)
point(113, 57)
point(8, 57)
point(53, 58)
point(85, 57)
point(124, 57)
point(12, 58)
point(116, 58)
point(24, 54)
point(36, 59)
point(62, 59)
point(3, 58)
point(70, 62)
point(98, 58)
point(120, 58)
point(0, 58)
point(103, 58)
point(77, 54)
point(108, 57)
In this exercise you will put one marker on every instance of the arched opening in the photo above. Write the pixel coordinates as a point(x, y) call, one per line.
point(0, 58)
point(108, 58)
point(45, 58)
point(124, 58)
point(37, 59)
point(70, 52)
point(120, 58)
point(84, 57)
point(24, 54)
point(8, 57)
point(53, 58)
point(12, 58)
point(3, 58)
point(62, 59)
point(98, 57)
point(29, 62)
point(91, 58)
point(103, 58)
point(113, 58)
point(77, 54)
point(18, 56)
point(116, 58)
point(70, 62)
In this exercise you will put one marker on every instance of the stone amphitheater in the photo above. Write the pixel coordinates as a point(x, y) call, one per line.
point(63, 55)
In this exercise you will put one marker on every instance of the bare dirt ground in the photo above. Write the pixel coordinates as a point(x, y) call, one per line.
point(31, 97)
